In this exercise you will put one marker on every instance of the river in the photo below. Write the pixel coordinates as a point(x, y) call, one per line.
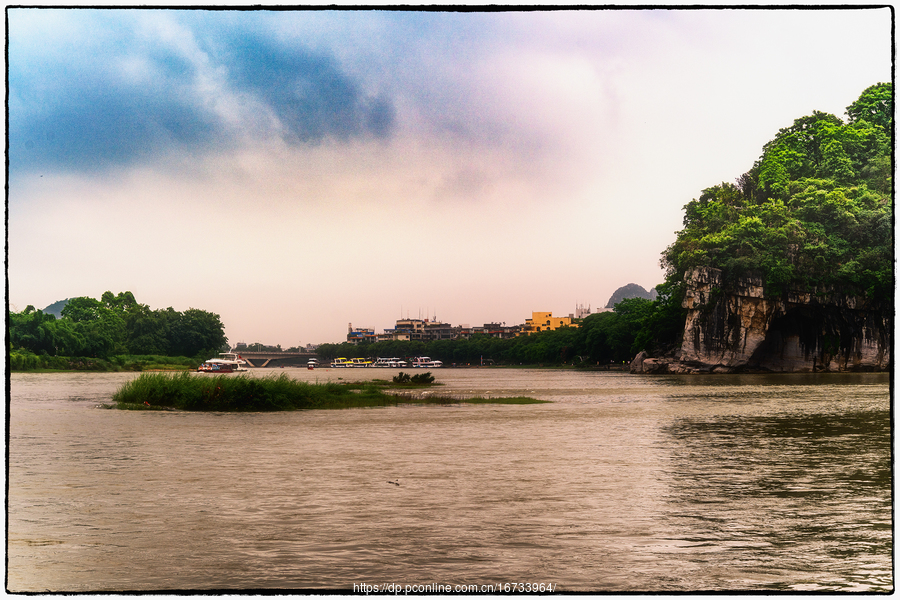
point(622, 483)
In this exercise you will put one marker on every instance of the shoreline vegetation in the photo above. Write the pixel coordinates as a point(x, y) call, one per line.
point(230, 393)
point(24, 361)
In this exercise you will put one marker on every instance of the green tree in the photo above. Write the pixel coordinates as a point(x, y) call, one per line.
point(34, 331)
point(149, 331)
point(875, 105)
point(661, 329)
point(82, 309)
point(101, 328)
point(197, 333)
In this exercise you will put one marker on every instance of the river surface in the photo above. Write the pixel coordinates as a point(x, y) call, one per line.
point(622, 483)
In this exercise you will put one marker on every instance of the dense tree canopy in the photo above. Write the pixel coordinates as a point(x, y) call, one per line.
point(114, 325)
point(815, 209)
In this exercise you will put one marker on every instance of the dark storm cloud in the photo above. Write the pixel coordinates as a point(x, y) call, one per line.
point(108, 96)
point(88, 127)
point(309, 93)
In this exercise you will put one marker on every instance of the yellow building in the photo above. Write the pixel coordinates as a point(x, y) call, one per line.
point(545, 321)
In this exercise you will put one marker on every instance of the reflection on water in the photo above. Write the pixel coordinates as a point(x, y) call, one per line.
point(624, 483)
point(807, 490)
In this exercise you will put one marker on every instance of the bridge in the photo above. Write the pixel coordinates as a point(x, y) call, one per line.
point(282, 359)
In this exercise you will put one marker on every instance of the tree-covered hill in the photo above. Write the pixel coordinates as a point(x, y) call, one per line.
point(814, 210)
point(56, 308)
point(116, 325)
point(631, 290)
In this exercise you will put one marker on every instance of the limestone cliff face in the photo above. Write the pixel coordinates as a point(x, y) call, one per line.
point(742, 329)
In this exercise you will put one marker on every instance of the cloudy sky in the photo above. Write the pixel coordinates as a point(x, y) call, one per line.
point(297, 171)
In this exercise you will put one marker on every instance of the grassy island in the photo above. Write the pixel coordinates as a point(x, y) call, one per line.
point(234, 393)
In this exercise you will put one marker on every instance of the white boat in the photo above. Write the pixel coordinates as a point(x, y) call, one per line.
point(229, 362)
point(341, 363)
point(312, 363)
point(389, 363)
point(426, 363)
point(361, 362)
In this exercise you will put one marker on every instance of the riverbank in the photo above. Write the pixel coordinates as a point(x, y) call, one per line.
point(31, 363)
point(27, 362)
point(230, 393)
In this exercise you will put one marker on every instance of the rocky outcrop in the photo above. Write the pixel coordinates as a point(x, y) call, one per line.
point(742, 329)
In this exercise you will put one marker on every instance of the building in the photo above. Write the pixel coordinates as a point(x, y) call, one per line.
point(396, 335)
point(500, 330)
point(436, 330)
point(545, 321)
point(465, 331)
point(360, 335)
point(427, 330)
point(415, 328)
point(420, 330)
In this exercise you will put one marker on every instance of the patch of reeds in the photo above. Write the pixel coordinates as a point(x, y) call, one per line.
point(190, 391)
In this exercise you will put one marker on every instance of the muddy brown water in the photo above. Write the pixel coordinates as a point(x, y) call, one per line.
point(623, 483)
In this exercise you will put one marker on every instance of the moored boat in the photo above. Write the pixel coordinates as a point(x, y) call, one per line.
point(312, 363)
point(228, 363)
point(426, 362)
point(389, 362)
point(341, 363)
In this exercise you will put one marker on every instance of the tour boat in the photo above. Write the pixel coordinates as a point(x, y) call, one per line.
point(341, 362)
point(228, 363)
point(362, 362)
point(389, 362)
point(426, 362)
point(312, 364)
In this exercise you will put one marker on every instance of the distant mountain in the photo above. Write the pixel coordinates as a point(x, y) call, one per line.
point(56, 308)
point(632, 290)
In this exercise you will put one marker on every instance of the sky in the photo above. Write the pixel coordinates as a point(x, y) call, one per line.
point(299, 171)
